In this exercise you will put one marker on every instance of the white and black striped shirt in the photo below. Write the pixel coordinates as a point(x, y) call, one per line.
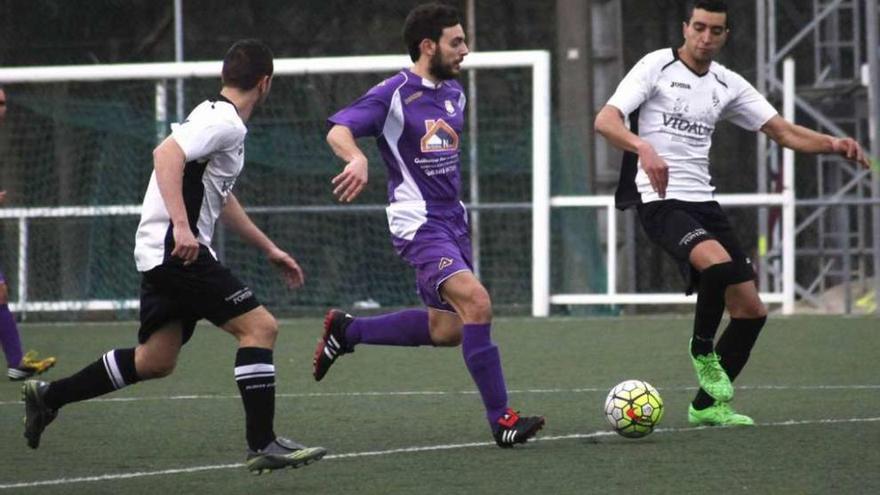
point(676, 111)
point(212, 138)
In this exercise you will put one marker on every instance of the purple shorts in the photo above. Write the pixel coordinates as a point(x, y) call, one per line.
point(440, 248)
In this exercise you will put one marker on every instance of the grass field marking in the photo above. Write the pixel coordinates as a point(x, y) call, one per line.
point(407, 450)
point(406, 393)
point(121, 476)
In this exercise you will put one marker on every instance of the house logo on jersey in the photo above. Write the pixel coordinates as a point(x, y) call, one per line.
point(439, 136)
point(445, 263)
point(450, 109)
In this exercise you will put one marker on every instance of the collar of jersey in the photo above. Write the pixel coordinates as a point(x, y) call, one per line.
point(426, 83)
point(222, 98)
point(675, 54)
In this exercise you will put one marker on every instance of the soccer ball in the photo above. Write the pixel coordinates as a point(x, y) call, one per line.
point(633, 408)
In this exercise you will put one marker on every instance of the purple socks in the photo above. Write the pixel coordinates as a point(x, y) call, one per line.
point(404, 328)
point(410, 328)
point(9, 337)
point(483, 361)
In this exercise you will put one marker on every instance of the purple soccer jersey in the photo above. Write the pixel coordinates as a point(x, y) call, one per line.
point(417, 125)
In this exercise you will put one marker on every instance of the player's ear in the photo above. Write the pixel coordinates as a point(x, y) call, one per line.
point(265, 83)
point(428, 47)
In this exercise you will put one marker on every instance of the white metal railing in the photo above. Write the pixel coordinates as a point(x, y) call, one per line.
point(542, 202)
point(611, 296)
point(542, 297)
point(537, 61)
point(24, 216)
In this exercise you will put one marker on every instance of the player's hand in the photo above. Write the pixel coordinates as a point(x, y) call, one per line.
point(351, 181)
point(849, 148)
point(2, 196)
point(655, 168)
point(290, 270)
point(186, 247)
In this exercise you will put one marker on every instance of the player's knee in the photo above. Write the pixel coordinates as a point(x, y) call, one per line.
point(750, 311)
point(4, 294)
point(478, 308)
point(158, 367)
point(265, 330)
point(446, 337)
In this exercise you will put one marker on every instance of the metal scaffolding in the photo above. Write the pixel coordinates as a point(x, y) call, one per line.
point(839, 227)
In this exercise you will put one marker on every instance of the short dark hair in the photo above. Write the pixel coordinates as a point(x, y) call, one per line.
point(246, 62)
point(427, 21)
point(718, 6)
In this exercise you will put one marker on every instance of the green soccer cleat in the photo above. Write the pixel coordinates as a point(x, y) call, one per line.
point(720, 414)
point(282, 453)
point(712, 377)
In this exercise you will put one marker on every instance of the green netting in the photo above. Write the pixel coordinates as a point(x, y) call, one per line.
point(82, 143)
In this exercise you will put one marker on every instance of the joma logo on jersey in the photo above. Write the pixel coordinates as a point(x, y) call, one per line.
point(445, 263)
point(686, 125)
point(681, 85)
point(413, 97)
point(439, 136)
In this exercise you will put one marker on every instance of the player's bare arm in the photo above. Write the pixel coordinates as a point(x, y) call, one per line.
point(237, 219)
point(2, 196)
point(169, 161)
point(348, 184)
point(610, 124)
point(805, 140)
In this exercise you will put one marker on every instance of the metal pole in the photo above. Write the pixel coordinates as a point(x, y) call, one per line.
point(788, 217)
point(178, 53)
point(473, 134)
point(541, 186)
point(773, 162)
point(871, 19)
point(22, 265)
point(763, 216)
point(161, 110)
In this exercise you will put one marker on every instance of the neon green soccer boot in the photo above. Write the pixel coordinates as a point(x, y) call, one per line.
point(712, 377)
point(719, 414)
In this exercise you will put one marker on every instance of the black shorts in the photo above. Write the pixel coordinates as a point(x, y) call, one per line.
point(204, 289)
point(677, 226)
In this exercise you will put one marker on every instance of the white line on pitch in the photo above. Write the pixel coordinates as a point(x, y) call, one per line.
point(405, 450)
point(406, 393)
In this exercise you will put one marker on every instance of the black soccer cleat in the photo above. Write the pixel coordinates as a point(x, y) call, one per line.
point(282, 453)
point(332, 343)
point(37, 414)
point(513, 428)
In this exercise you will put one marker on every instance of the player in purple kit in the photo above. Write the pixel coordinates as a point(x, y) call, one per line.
point(19, 365)
point(417, 117)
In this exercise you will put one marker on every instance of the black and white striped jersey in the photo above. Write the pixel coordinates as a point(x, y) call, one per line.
point(212, 138)
point(676, 111)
